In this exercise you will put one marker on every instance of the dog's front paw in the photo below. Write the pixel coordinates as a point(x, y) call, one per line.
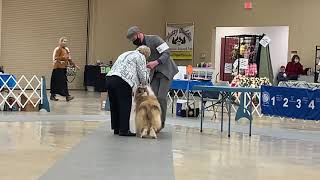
point(153, 134)
point(144, 133)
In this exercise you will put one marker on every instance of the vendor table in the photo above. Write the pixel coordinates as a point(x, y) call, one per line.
point(95, 75)
point(8, 79)
point(227, 93)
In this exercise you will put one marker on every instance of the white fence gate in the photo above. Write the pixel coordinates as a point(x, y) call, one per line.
point(20, 91)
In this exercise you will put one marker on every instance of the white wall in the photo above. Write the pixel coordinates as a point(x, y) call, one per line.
point(278, 46)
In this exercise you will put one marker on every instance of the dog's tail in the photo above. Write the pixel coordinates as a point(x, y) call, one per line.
point(153, 113)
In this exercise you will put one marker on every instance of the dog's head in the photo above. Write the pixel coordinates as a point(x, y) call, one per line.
point(144, 91)
point(141, 91)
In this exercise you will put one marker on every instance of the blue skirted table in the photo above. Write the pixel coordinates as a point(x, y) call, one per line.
point(7, 80)
point(227, 93)
point(188, 84)
point(183, 87)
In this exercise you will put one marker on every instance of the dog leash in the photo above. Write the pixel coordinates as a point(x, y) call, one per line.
point(148, 78)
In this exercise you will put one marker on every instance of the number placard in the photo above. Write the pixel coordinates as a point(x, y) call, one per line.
point(311, 105)
point(299, 103)
point(291, 102)
point(285, 104)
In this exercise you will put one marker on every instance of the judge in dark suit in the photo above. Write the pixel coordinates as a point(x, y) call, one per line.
point(163, 68)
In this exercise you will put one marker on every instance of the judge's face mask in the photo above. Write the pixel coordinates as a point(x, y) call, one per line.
point(137, 42)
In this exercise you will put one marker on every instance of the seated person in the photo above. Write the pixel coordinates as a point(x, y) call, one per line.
point(294, 68)
point(1, 69)
point(282, 76)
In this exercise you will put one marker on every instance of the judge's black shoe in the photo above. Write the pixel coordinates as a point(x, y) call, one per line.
point(162, 126)
point(126, 133)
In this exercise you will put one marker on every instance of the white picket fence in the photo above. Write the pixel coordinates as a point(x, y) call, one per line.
point(22, 90)
point(256, 107)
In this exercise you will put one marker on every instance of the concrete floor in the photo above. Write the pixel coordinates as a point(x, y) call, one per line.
point(34, 143)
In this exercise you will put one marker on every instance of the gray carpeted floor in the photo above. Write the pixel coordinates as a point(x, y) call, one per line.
point(105, 156)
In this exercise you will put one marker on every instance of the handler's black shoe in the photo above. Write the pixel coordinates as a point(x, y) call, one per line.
point(116, 132)
point(126, 133)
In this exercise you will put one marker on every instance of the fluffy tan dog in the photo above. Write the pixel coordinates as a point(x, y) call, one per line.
point(148, 112)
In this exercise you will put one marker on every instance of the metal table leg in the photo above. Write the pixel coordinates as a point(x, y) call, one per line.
point(222, 112)
point(229, 113)
point(172, 102)
point(251, 117)
point(201, 114)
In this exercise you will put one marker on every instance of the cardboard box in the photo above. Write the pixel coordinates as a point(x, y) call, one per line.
point(183, 110)
point(181, 105)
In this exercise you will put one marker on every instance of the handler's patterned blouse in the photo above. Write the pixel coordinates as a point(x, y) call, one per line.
point(131, 67)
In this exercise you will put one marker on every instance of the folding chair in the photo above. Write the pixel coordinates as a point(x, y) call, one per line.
point(214, 97)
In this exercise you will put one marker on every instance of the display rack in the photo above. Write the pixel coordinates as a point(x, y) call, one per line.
point(228, 46)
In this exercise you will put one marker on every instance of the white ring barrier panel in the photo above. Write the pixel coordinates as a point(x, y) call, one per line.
point(22, 91)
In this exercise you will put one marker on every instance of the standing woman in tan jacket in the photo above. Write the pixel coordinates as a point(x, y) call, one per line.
point(61, 58)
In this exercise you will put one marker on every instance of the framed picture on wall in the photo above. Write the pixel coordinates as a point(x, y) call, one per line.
point(179, 37)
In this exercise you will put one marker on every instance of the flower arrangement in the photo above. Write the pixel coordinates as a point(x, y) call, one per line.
point(243, 81)
point(253, 82)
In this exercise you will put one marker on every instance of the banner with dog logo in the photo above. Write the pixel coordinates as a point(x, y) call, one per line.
point(179, 38)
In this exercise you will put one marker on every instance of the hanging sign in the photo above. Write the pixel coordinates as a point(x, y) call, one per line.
point(265, 41)
point(179, 38)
